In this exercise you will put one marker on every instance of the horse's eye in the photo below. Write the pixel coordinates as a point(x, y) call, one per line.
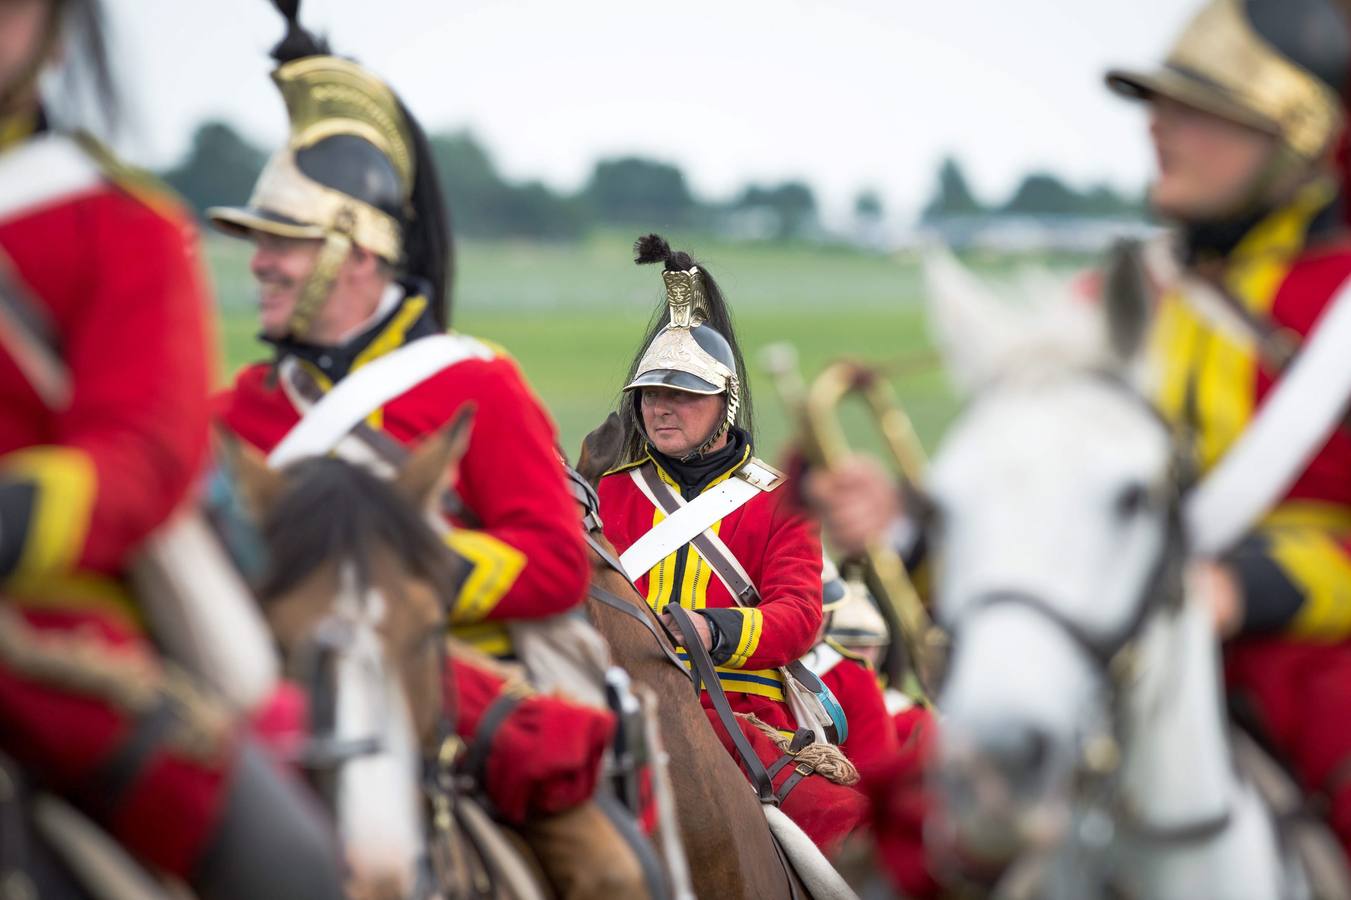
point(1132, 499)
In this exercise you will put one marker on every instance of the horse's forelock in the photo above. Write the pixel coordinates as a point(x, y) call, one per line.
point(332, 511)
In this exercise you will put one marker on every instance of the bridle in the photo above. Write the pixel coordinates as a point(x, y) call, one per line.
point(1114, 655)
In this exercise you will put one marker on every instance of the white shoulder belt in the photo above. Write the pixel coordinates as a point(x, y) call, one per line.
point(695, 517)
point(369, 388)
point(43, 171)
point(1292, 425)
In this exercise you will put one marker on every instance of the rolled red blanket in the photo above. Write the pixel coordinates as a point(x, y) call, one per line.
point(544, 756)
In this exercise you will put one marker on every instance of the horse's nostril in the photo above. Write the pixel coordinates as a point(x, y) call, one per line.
point(1017, 750)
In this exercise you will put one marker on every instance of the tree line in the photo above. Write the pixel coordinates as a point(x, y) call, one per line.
point(1039, 194)
point(221, 166)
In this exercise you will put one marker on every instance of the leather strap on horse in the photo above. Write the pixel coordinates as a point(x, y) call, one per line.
point(706, 677)
point(601, 595)
point(586, 498)
point(476, 757)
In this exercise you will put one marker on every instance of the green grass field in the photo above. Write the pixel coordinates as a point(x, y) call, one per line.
point(572, 316)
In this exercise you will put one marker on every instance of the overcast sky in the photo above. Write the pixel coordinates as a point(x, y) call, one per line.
point(846, 93)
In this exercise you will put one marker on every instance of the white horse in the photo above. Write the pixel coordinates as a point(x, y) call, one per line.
point(1084, 736)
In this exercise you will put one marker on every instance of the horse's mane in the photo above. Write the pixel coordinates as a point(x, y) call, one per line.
point(331, 510)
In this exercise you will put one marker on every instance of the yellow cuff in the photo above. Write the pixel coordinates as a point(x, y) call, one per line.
point(1320, 570)
point(752, 626)
point(497, 565)
point(58, 524)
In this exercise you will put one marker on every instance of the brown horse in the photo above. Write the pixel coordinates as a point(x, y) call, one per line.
point(728, 843)
point(352, 595)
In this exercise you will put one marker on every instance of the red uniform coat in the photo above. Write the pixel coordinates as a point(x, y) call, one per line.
point(110, 263)
point(872, 736)
point(1290, 668)
point(780, 550)
point(526, 544)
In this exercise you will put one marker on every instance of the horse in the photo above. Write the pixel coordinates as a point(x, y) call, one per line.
point(1084, 748)
point(352, 594)
point(731, 850)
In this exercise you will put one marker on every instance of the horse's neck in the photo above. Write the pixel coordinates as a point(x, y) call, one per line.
point(1177, 771)
point(1176, 766)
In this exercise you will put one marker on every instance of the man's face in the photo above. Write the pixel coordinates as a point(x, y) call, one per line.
point(1207, 164)
point(22, 26)
point(280, 265)
point(678, 422)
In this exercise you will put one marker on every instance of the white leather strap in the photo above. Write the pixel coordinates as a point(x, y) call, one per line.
point(681, 526)
point(369, 388)
point(42, 171)
point(1290, 427)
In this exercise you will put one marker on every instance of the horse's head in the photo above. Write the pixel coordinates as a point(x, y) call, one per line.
point(355, 591)
point(601, 449)
point(1054, 505)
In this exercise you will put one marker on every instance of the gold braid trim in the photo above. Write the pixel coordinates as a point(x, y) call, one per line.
point(823, 759)
point(133, 682)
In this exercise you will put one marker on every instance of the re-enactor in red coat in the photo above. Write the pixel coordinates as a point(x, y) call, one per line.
point(685, 411)
point(337, 296)
point(105, 361)
point(350, 256)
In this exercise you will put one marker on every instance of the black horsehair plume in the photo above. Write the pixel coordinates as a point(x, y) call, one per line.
point(653, 248)
point(428, 242)
point(298, 42)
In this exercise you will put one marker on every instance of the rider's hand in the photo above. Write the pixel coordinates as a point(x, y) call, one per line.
point(857, 502)
point(1219, 590)
point(701, 628)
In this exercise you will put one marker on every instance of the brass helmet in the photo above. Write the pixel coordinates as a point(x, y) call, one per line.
point(688, 353)
point(354, 171)
point(1274, 65)
point(853, 619)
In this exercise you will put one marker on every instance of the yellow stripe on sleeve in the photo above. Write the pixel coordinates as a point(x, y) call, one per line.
point(59, 524)
point(1318, 567)
point(497, 565)
point(752, 626)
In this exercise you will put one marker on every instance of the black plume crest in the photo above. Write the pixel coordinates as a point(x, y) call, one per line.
point(298, 42)
point(652, 248)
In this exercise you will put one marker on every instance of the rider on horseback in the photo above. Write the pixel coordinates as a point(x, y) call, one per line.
point(687, 415)
point(351, 252)
point(105, 364)
point(1245, 115)
point(702, 524)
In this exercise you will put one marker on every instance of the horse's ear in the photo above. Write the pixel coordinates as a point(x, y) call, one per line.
point(435, 463)
point(1126, 299)
point(259, 484)
point(972, 327)
point(601, 449)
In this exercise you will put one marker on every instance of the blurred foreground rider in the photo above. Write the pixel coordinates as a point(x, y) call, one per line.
point(1244, 116)
point(105, 365)
point(351, 257)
